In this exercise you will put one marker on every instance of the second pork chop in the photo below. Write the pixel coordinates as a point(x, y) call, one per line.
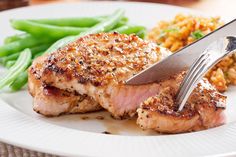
point(204, 108)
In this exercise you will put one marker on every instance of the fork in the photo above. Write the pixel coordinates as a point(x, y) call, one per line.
point(215, 52)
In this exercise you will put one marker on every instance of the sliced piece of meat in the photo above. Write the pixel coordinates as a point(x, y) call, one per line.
point(51, 101)
point(98, 65)
point(204, 109)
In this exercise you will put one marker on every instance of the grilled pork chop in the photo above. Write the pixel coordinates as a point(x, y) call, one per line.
point(51, 101)
point(97, 65)
point(204, 109)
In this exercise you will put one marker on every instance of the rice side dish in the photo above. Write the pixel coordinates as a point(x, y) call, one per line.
point(185, 29)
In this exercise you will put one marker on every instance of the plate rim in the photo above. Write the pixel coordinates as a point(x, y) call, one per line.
point(6, 107)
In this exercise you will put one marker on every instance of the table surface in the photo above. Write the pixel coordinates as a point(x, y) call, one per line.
point(214, 7)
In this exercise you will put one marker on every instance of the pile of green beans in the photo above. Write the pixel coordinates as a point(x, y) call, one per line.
point(47, 35)
point(21, 64)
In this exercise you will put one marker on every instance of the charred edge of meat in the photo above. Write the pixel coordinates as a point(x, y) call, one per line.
point(65, 113)
point(125, 115)
point(85, 117)
point(53, 91)
point(164, 103)
point(52, 67)
point(85, 65)
point(35, 73)
point(106, 132)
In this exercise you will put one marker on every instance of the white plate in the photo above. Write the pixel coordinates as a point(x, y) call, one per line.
point(72, 136)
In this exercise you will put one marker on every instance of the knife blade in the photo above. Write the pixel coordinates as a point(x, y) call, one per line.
point(182, 59)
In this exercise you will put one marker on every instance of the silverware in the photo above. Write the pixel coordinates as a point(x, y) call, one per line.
point(215, 52)
point(183, 59)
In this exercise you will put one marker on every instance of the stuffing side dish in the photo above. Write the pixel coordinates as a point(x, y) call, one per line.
point(185, 29)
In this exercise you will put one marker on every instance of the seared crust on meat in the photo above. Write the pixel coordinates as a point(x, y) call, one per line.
point(101, 59)
point(92, 71)
point(97, 65)
point(51, 101)
point(204, 109)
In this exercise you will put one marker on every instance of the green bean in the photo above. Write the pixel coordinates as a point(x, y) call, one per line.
point(21, 80)
point(40, 30)
point(21, 64)
point(73, 22)
point(35, 50)
point(9, 64)
point(14, 56)
point(23, 77)
point(38, 54)
point(141, 34)
point(27, 42)
point(11, 57)
point(15, 37)
point(129, 29)
point(76, 21)
point(105, 26)
point(120, 23)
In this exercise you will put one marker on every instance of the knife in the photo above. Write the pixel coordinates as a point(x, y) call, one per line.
point(182, 59)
